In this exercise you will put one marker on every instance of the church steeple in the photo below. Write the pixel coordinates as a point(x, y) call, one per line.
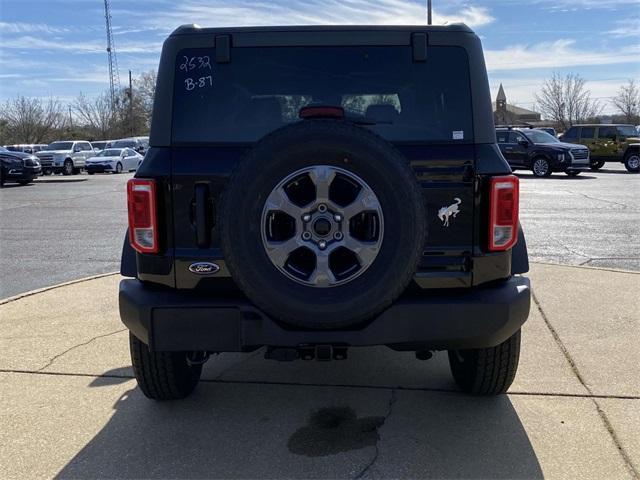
point(501, 99)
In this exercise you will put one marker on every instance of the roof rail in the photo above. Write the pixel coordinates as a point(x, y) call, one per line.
point(511, 127)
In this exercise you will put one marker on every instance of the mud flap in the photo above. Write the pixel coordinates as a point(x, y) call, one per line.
point(519, 255)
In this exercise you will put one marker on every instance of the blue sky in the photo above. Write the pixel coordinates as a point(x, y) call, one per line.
point(57, 47)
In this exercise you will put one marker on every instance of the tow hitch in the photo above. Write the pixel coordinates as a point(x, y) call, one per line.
point(323, 353)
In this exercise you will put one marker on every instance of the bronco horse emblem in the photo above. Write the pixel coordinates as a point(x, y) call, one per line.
point(446, 212)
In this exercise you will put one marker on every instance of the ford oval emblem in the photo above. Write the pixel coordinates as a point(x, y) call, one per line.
point(204, 268)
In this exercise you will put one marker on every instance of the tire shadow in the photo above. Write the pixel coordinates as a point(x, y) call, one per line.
point(255, 430)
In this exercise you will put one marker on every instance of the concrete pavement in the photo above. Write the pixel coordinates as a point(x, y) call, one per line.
point(69, 406)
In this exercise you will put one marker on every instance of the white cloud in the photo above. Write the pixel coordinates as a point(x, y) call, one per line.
point(577, 5)
point(626, 28)
point(557, 54)
point(340, 12)
point(20, 27)
point(30, 42)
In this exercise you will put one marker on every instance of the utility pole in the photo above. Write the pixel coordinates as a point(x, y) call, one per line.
point(428, 12)
point(131, 103)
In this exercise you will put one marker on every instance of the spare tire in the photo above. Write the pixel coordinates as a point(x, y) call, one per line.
point(322, 224)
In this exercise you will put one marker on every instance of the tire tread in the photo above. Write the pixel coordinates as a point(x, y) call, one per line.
point(487, 371)
point(162, 375)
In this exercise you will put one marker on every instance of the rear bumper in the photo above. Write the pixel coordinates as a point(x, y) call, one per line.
point(177, 320)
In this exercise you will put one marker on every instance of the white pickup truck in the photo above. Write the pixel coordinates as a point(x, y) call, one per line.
point(66, 157)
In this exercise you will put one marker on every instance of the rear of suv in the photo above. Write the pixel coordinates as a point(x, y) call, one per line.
point(542, 153)
point(608, 143)
point(312, 189)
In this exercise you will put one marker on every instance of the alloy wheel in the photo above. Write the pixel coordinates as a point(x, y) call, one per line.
point(322, 226)
point(541, 167)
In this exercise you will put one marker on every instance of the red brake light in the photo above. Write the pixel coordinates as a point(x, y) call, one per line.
point(503, 213)
point(143, 224)
point(321, 112)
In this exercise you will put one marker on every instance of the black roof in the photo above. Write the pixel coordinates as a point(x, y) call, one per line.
point(190, 29)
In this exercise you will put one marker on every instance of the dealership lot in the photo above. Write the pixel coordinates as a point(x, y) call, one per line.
point(60, 230)
point(66, 380)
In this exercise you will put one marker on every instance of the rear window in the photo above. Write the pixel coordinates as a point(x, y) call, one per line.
point(262, 89)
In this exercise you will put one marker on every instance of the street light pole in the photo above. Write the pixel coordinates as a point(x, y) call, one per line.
point(428, 12)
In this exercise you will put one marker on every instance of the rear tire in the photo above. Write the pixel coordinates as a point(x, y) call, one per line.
point(632, 162)
point(486, 371)
point(573, 173)
point(24, 182)
point(596, 165)
point(162, 375)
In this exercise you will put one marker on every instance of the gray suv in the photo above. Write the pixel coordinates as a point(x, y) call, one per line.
point(66, 157)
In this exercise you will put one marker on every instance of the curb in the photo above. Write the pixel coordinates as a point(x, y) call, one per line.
point(587, 267)
point(60, 180)
point(4, 301)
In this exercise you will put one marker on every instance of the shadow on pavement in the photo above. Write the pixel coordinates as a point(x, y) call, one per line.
point(555, 176)
point(252, 430)
point(115, 376)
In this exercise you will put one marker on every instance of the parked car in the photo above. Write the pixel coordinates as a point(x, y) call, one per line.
point(25, 148)
point(535, 150)
point(608, 143)
point(114, 160)
point(100, 145)
point(66, 157)
point(350, 194)
point(18, 167)
point(139, 144)
point(550, 130)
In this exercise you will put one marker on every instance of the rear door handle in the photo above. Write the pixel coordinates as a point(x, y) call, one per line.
point(203, 224)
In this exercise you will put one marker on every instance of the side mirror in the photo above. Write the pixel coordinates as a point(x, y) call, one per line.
point(523, 143)
point(77, 149)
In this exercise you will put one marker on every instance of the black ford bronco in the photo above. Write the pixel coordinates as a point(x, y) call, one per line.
point(312, 189)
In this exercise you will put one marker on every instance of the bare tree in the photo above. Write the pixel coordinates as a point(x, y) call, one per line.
point(96, 114)
point(145, 88)
point(565, 100)
point(627, 101)
point(32, 120)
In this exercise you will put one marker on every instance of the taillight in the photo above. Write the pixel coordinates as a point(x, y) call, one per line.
point(503, 214)
point(143, 221)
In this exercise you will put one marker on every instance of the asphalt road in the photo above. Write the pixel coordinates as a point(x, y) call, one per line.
point(56, 232)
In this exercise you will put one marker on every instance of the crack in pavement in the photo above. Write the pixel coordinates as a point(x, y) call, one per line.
point(392, 401)
point(574, 368)
point(56, 357)
point(599, 199)
point(333, 385)
point(570, 250)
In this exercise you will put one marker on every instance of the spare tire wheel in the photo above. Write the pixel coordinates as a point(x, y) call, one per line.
point(322, 224)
